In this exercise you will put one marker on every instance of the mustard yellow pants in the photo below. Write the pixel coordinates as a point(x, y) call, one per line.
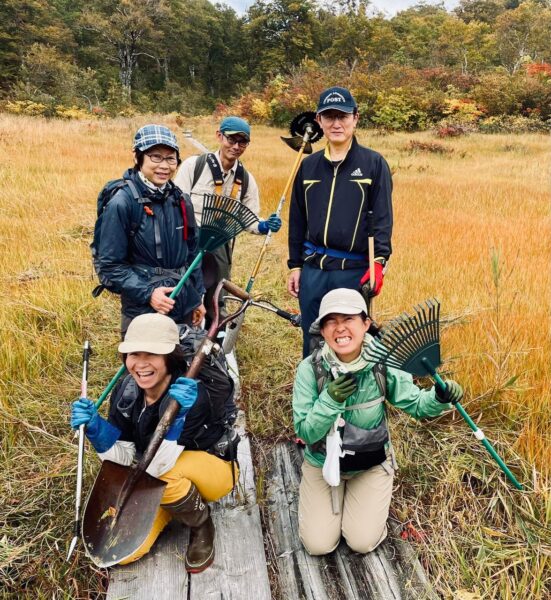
point(211, 475)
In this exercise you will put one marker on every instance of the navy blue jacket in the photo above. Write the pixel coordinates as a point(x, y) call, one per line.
point(329, 208)
point(129, 262)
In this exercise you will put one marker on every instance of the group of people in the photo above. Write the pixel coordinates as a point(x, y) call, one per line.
point(149, 235)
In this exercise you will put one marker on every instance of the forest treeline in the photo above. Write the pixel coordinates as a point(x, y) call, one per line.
point(486, 63)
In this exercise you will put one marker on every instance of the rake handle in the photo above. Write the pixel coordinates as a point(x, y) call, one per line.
point(288, 184)
point(478, 433)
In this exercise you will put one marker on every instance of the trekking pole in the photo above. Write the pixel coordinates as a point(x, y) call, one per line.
point(80, 460)
point(305, 130)
point(223, 219)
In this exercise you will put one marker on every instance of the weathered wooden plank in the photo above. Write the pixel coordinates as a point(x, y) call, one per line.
point(160, 574)
point(391, 572)
point(239, 570)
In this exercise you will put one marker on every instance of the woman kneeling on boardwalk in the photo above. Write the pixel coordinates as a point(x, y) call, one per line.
point(186, 459)
point(339, 395)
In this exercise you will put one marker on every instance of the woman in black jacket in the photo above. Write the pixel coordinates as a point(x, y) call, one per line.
point(187, 458)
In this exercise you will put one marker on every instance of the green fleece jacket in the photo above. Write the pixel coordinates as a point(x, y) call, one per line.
point(314, 413)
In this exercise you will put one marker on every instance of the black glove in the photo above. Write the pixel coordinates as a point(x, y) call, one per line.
point(342, 387)
point(453, 392)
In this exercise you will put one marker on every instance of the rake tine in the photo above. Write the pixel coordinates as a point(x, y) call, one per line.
point(396, 351)
point(401, 343)
point(408, 333)
point(421, 318)
point(437, 317)
point(428, 315)
point(393, 340)
point(380, 353)
point(435, 320)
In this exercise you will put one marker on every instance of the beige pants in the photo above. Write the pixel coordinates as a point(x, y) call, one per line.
point(364, 502)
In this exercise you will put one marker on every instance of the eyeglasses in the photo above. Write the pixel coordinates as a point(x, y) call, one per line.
point(159, 158)
point(232, 140)
point(338, 116)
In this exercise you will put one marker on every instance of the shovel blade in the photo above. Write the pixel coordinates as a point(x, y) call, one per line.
point(108, 541)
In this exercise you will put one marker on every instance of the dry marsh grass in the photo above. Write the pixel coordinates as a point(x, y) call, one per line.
point(471, 228)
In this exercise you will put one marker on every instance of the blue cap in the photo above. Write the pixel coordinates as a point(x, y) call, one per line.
point(233, 125)
point(337, 98)
point(155, 135)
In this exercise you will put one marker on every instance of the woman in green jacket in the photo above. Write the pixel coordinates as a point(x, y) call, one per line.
point(339, 412)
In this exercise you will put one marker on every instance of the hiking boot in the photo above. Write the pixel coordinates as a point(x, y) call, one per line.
point(200, 552)
point(193, 511)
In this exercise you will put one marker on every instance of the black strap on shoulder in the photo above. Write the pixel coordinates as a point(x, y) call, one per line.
point(199, 166)
point(215, 168)
point(379, 370)
point(321, 373)
point(242, 178)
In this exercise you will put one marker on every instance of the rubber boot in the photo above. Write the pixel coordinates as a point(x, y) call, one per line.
point(193, 511)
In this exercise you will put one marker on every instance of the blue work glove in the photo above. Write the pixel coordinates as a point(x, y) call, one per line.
point(102, 434)
point(273, 223)
point(184, 391)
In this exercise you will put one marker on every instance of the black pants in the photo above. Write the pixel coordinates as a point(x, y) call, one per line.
point(216, 266)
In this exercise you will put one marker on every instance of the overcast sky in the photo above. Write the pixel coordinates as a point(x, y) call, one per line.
point(391, 7)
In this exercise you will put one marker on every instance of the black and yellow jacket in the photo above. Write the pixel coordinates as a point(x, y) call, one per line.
point(330, 204)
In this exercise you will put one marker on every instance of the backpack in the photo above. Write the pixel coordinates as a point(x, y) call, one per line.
point(108, 191)
point(241, 174)
point(350, 439)
point(214, 375)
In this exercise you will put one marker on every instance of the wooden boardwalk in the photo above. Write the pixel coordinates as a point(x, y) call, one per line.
point(391, 572)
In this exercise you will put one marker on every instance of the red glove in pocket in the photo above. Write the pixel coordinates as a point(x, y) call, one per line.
point(378, 278)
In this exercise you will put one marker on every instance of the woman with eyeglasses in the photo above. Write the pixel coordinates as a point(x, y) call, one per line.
point(335, 193)
point(148, 235)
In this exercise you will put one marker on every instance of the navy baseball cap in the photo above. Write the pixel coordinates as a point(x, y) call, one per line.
point(337, 98)
point(233, 125)
point(155, 135)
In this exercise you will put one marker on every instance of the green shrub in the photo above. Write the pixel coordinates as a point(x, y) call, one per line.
point(514, 124)
point(394, 111)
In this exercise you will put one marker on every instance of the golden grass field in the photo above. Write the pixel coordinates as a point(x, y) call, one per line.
point(471, 228)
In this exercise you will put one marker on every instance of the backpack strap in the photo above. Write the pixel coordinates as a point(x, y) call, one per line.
point(199, 166)
point(125, 396)
point(137, 208)
point(321, 373)
point(240, 182)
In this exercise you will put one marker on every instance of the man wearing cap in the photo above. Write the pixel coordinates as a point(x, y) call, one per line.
point(148, 236)
point(341, 197)
point(222, 172)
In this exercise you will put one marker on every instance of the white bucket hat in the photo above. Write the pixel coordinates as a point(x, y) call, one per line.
point(151, 332)
point(341, 301)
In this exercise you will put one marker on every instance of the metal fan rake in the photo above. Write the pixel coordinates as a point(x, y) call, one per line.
point(411, 343)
